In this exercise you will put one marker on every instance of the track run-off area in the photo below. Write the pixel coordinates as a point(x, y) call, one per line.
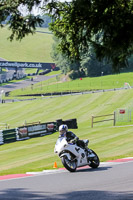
point(113, 180)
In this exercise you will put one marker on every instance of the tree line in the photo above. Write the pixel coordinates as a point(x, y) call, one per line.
point(90, 32)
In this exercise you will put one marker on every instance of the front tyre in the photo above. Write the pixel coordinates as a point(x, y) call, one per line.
point(94, 161)
point(68, 164)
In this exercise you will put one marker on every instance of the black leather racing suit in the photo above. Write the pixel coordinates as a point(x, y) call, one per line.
point(71, 136)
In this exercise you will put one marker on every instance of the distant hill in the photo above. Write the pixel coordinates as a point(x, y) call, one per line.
point(33, 48)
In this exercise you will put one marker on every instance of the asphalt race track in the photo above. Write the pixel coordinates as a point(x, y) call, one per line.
point(108, 182)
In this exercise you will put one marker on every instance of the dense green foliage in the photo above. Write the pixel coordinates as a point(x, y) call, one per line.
point(20, 24)
point(88, 66)
point(105, 24)
point(46, 20)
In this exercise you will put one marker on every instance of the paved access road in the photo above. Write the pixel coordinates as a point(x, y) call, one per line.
point(108, 182)
point(25, 83)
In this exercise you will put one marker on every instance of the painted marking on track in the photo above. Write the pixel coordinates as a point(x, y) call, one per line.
point(122, 160)
point(62, 170)
point(14, 176)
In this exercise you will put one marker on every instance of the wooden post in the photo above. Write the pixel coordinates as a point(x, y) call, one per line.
point(92, 121)
point(114, 118)
point(25, 123)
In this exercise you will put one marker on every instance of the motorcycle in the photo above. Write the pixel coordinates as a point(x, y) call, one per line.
point(73, 156)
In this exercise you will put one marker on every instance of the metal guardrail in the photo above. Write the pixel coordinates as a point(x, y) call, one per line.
point(51, 95)
point(9, 135)
point(29, 130)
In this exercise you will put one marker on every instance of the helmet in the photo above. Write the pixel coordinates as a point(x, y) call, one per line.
point(63, 127)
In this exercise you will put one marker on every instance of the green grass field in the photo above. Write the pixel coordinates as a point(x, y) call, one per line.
point(33, 48)
point(37, 154)
point(98, 83)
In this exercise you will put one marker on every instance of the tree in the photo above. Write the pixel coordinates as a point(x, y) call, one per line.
point(19, 23)
point(46, 20)
point(60, 59)
point(63, 62)
point(92, 66)
point(88, 66)
point(105, 24)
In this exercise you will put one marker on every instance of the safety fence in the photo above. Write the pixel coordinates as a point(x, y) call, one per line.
point(35, 129)
point(124, 115)
point(121, 116)
point(103, 119)
point(9, 135)
point(1, 137)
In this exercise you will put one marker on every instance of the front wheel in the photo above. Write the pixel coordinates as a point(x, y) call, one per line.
point(94, 161)
point(68, 164)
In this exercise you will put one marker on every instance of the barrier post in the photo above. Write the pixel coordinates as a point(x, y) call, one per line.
point(114, 118)
point(92, 121)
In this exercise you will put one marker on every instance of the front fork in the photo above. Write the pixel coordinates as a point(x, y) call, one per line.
point(90, 155)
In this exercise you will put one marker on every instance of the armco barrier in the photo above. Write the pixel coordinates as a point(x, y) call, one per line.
point(33, 130)
point(1, 137)
point(21, 133)
point(36, 129)
point(9, 135)
point(26, 132)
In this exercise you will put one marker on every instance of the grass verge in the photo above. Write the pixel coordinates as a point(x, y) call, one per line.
point(98, 83)
point(37, 154)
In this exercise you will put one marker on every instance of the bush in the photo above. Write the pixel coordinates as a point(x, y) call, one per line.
point(77, 74)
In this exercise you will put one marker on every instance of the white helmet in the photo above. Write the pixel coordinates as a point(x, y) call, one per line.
point(63, 127)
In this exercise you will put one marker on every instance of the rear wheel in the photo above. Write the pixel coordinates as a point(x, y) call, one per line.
point(94, 161)
point(68, 164)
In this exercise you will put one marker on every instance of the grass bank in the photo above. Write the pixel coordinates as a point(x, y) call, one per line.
point(58, 84)
point(26, 50)
point(37, 154)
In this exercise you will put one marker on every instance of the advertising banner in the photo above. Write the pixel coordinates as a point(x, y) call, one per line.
point(27, 65)
point(37, 129)
point(22, 132)
point(50, 127)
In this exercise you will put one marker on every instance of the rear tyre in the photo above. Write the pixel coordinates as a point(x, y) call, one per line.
point(68, 164)
point(94, 162)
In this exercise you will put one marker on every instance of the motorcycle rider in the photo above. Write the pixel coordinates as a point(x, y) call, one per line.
point(63, 130)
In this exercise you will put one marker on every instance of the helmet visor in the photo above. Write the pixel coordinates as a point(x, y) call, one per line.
point(63, 133)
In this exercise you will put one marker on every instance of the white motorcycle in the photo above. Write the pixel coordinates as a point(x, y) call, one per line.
point(73, 156)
